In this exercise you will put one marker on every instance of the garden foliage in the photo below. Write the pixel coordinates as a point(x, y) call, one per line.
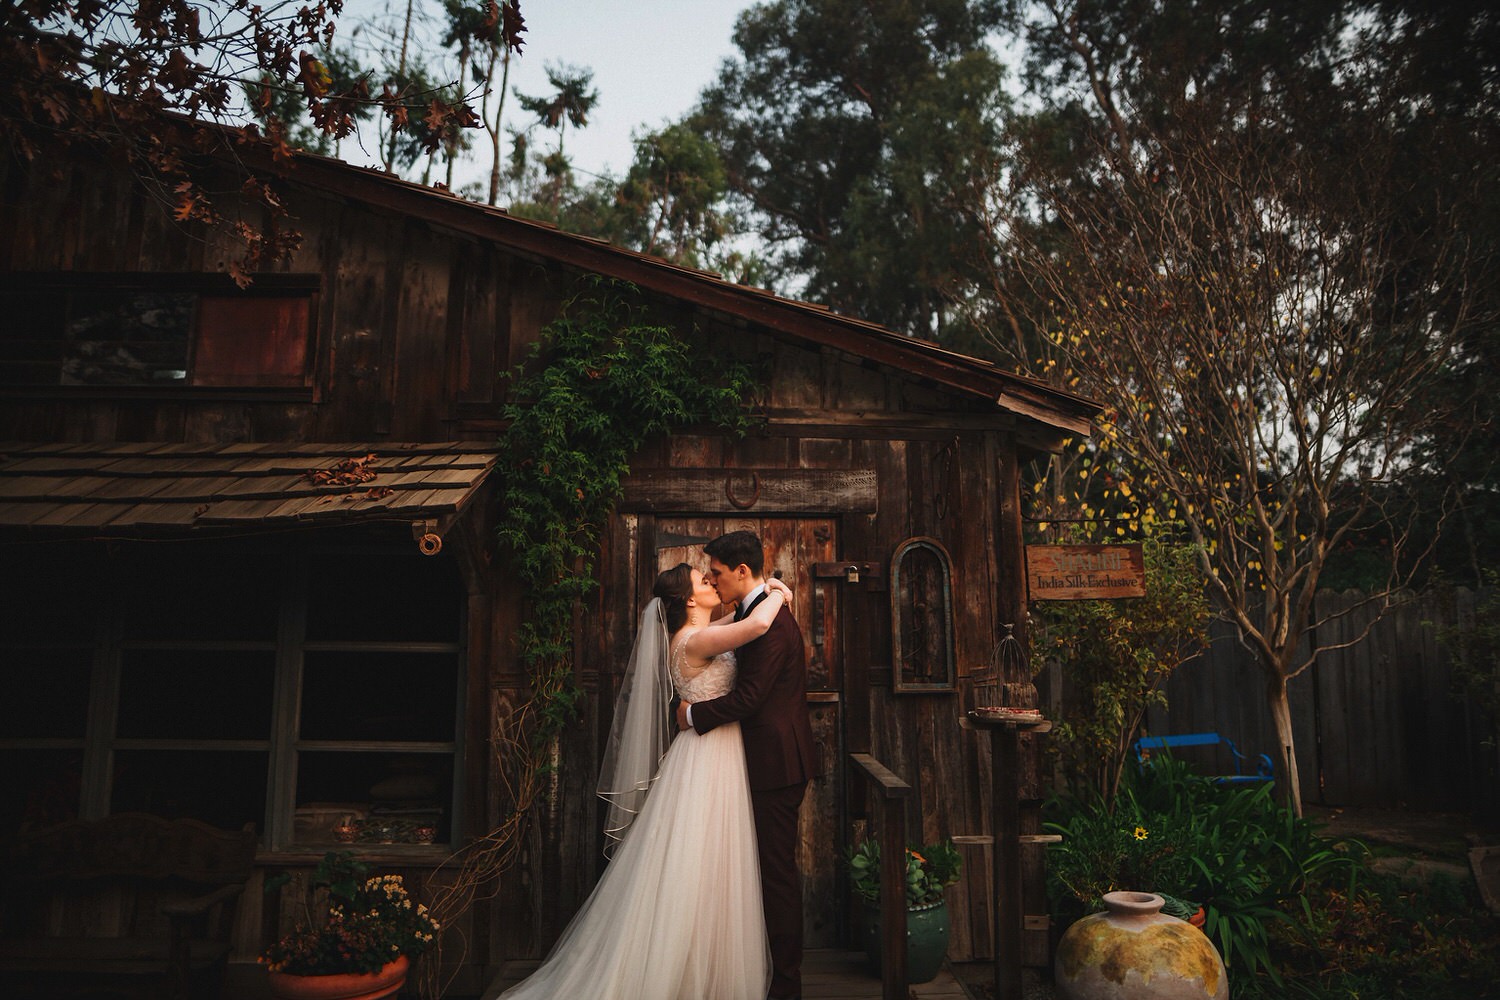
point(929, 870)
point(1115, 655)
point(367, 921)
point(1233, 849)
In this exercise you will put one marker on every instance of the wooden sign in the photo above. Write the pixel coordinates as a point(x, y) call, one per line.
point(1085, 572)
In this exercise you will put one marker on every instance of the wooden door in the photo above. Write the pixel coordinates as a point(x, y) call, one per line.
point(794, 545)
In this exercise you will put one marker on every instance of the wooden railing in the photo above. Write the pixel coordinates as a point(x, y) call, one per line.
point(888, 812)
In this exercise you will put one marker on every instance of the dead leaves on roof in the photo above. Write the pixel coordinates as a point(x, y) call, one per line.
point(345, 472)
point(349, 472)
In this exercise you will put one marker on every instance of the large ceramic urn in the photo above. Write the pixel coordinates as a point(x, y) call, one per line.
point(1133, 951)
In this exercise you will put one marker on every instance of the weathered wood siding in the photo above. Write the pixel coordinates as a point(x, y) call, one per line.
point(414, 323)
point(930, 480)
point(1376, 724)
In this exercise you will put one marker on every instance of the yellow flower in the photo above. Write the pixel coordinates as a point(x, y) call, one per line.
point(1140, 833)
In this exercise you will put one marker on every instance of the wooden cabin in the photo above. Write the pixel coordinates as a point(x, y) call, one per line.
point(246, 539)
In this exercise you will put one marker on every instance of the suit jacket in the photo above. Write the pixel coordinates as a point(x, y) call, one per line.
point(769, 701)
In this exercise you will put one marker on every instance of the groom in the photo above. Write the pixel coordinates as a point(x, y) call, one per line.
point(769, 701)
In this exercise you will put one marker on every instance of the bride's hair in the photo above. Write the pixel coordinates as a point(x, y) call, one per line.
point(674, 586)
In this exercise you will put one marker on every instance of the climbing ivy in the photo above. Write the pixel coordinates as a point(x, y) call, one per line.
point(598, 385)
point(601, 382)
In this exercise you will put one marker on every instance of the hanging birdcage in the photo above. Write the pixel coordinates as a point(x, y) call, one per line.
point(1004, 682)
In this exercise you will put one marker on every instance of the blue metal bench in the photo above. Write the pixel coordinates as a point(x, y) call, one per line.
point(1264, 770)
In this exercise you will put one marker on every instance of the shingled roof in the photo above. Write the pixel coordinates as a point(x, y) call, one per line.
point(116, 487)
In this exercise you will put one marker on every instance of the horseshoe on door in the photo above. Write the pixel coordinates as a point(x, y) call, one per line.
point(736, 501)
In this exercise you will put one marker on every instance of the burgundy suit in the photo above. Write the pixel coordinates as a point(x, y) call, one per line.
point(769, 701)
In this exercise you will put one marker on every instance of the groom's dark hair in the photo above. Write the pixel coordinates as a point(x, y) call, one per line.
point(739, 547)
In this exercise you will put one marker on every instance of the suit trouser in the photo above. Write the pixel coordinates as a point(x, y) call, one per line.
point(776, 811)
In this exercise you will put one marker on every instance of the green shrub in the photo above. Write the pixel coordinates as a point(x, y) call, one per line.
point(1384, 938)
point(1115, 656)
point(1231, 848)
point(929, 870)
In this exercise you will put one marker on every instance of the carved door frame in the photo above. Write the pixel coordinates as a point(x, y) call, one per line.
point(666, 515)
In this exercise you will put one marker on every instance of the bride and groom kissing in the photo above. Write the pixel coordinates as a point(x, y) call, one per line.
point(702, 899)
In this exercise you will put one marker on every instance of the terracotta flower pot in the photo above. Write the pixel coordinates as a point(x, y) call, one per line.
point(342, 985)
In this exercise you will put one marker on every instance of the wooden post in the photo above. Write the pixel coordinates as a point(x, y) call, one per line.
point(1006, 763)
point(890, 809)
point(1005, 818)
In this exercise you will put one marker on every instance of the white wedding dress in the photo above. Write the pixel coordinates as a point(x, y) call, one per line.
point(677, 914)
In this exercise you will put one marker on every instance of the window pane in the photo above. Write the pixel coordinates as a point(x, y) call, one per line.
point(196, 694)
point(46, 692)
point(31, 336)
point(379, 696)
point(385, 597)
point(202, 592)
point(251, 340)
point(392, 795)
point(127, 337)
point(226, 789)
point(51, 592)
point(41, 788)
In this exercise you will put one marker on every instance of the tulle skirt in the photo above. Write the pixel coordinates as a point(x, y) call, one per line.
point(677, 914)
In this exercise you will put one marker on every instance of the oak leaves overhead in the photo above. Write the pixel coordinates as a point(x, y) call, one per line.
point(159, 85)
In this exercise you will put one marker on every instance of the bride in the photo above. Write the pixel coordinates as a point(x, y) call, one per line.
point(677, 914)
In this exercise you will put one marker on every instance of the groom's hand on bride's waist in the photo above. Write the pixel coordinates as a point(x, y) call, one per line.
point(683, 722)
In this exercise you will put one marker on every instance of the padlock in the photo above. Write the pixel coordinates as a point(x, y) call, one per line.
point(851, 573)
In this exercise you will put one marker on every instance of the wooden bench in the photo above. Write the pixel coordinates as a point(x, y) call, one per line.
point(1264, 771)
point(128, 906)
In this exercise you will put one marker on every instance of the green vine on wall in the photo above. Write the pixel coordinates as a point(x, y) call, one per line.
point(601, 382)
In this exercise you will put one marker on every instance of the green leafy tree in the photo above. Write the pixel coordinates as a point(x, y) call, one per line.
point(671, 199)
point(671, 204)
point(1114, 656)
point(1447, 57)
point(847, 129)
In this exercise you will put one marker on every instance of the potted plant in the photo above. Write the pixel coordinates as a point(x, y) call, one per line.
point(362, 946)
point(929, 871)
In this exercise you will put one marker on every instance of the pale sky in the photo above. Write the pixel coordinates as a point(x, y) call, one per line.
point(650, 61)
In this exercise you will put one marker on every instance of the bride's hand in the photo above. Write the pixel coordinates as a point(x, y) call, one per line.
point(774, 583)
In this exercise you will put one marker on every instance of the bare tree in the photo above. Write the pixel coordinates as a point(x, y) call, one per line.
point(1268, 343)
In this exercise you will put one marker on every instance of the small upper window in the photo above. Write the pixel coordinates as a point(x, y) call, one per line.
point(155, 330)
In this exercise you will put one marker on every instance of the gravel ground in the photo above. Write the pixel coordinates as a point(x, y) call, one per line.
point(978, 978)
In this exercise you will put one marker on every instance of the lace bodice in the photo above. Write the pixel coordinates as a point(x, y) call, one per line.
point(715, 680)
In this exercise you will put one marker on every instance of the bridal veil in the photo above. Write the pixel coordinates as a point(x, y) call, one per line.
point(641, 730)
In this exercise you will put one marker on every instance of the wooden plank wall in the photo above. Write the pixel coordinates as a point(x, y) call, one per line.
point(414, 323)
point(413, 326)
point(1376, 724)
point(931, 481)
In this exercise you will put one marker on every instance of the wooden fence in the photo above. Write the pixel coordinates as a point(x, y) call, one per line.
point(1375, 724)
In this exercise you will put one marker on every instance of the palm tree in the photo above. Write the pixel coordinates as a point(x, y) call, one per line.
point(571, 101)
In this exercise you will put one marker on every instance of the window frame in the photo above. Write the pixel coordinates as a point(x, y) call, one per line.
point(306, 286)
point(284, 746)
